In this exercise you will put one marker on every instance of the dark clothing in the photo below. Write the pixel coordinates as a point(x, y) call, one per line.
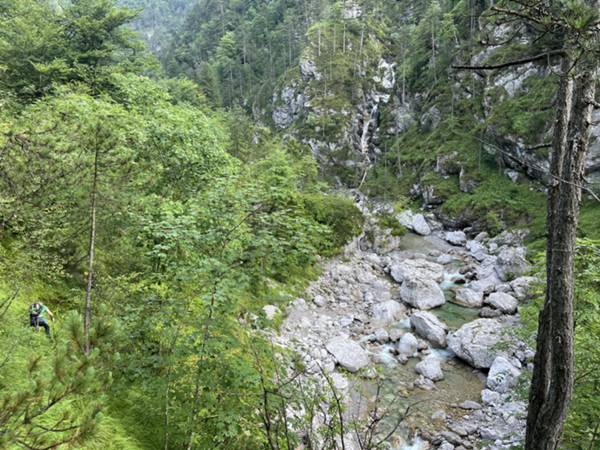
point(38, 321)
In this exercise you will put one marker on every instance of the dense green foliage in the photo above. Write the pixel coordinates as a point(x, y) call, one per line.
point(198, 225)
point(583, 424)
point(204, 216)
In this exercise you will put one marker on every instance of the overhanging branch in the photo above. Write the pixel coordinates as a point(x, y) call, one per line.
point(517, 62)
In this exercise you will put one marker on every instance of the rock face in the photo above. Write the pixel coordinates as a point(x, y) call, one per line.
point(468, 297)
point(429, 327)
point(503, 302)
point(476, 342)
point(408, 344)
point(430, 368)
point(348, 353)
point(502, 376)
point(422, 293)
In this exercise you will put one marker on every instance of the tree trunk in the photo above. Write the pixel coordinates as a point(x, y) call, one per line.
point(553, 377)
point(90, 279)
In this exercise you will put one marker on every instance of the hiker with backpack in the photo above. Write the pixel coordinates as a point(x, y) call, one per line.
point(37, 317)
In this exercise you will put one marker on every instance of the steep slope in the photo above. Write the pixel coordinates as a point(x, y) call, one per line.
point(370, 88)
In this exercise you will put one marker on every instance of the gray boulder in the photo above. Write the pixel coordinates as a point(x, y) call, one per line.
point(468, 297)
point(456, 237)
point(522, 287)
point(430, 368)
point(348, 353)
point(477, 342)
point(421, 293)
point(503, 302)
point(416, 268)
point(414, 222)
point(511, 263)
point(429, 327)
point(408, 344)
point(420, 225)
point(502, 375)
point(388, 311)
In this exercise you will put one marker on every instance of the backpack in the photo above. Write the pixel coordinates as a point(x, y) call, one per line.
point(35, 309)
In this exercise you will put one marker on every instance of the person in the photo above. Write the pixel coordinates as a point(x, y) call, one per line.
point(37, 317)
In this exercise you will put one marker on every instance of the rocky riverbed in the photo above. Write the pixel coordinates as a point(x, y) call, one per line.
point(424, 321)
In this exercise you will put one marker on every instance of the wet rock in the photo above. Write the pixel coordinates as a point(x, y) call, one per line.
point(446, 446)
point(389, 311)
point(421, 293)
point(424, 383)
point(429, 327)
point(502, 375)
point(511, 263)
point(430, 368)
point(348, 353)
point(456, 237)
point(522, 287)
point(503, 302)
point(477, 342)
point(416, 268)
point(408, 345)
point(468, 297)
point(271, 311)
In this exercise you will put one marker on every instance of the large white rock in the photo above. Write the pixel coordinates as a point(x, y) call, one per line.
point(504, 302)
point(348, 353)
point(422, 293)
point(511, 263)
point(420, 225)
point(502, 375)
point(388, 311)
point(477, 342)
point(468, 297)
point(414, 222)
point(429, 327)
point(430, 368)
point(416, 268)
point(456, 237)
point(408, 344)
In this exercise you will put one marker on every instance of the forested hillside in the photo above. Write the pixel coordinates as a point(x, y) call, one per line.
point(281, 224)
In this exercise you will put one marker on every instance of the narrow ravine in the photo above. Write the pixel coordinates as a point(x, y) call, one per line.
point(431, 313)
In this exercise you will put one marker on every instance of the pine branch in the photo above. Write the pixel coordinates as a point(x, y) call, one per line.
point(517, 62)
